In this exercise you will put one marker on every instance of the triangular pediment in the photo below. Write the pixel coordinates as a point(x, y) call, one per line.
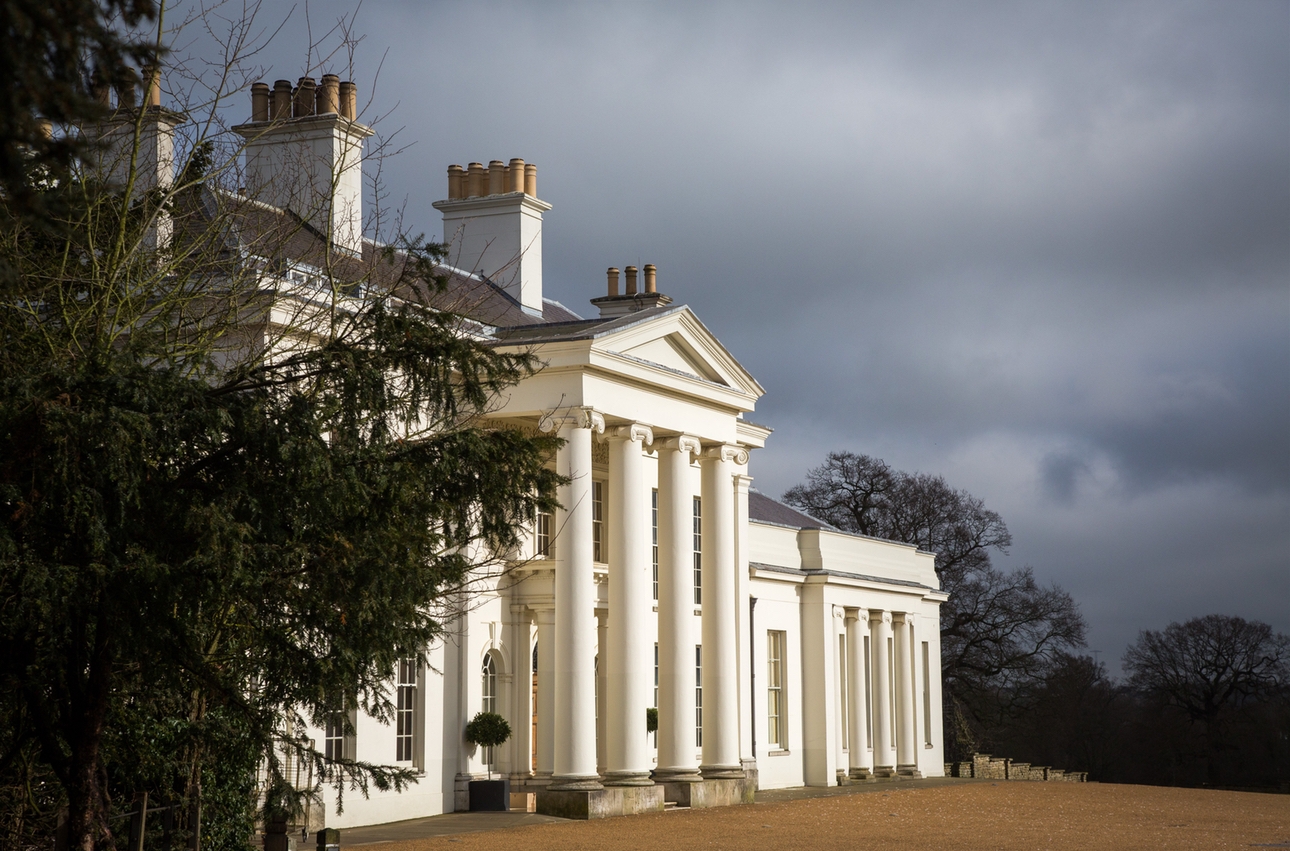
point(679, 343)
point(673, 352)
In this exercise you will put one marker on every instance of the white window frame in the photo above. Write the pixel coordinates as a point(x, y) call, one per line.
point(698, 551)
point(776, 691)
point(406, 688)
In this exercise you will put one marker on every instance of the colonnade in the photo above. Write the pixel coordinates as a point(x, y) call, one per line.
point(893, 747)
point(567, 631)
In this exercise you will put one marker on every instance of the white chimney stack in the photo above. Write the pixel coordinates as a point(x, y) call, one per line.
point(304, 152)
point(492, 223)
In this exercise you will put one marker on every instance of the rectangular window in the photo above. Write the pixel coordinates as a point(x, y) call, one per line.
point(698, 552)
point(405, 724)
point(334, 737)
point(775, 721)
point(868, 696)
point(843, 705)
point(698, 695)
point(654, 541)
point(542, 535)
point(598, 522)
point(927, 695)
point(656, 673)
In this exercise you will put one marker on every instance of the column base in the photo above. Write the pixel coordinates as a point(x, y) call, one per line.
point(540, 778)
point(709, 793)
point(861, 774)
point(604, 802)
point(627, 778)
point(884, 772)
point(676, 775)
point(722, 772)
point(579, 783)
point(908, 772)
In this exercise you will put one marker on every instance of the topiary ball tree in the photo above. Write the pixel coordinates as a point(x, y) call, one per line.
point(651, 719)
point(488, 730)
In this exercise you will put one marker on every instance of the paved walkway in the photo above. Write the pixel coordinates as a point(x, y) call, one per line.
point(449, 824)
point(444, 825)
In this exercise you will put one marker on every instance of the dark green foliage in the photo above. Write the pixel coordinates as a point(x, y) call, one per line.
point(651, 719)
point(193, 548)
point(487, 730)
point(54, 55)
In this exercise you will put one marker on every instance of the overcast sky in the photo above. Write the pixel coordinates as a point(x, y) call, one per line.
point(1040, 249)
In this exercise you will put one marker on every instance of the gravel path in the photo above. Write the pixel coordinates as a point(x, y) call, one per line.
point(1002, 816)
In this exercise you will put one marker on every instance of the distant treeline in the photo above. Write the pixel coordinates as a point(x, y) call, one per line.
point(1188, 713)
point(1203, 702)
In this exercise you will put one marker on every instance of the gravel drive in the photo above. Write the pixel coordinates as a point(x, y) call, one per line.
point(980, 815)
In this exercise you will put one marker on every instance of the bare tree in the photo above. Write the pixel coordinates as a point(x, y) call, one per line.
point(998, 630)
point(1209, 668)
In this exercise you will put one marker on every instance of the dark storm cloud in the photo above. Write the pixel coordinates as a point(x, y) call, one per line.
point(1040, 248)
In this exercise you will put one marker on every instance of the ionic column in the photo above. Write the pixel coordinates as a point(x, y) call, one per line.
point(575, 601)
point(676, 746)
point(629, 663)
point(906, 755)
point(521, 744)
point(884, 764)
point(720, 630)
point(602, 687)
point(859, 762)
point(546, 693)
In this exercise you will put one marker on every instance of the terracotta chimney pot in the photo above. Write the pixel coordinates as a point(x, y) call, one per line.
point(455, 179)
point(260, 101)
point(280, 105)
point(496, 177)
point(631, 280)
point(613, 281)
point(348, 100)
point(475, 181)
point(152, 87)
point(328, 97)
point(649, 278)
point(530, 179)
point(304, 102)
point(515, 175)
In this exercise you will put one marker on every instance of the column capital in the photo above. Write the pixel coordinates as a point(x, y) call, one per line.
point(632, 431)
point(725, 452)
point(681, 443)
point(903, 617)
point(854, 614)
point(575, 417)
point(879, 615)
point(742, 482)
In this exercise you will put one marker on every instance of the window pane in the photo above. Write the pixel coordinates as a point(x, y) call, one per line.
point(698, 552)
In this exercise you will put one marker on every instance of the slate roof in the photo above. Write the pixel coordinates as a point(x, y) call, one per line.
point(763, 509)
point(281, 237)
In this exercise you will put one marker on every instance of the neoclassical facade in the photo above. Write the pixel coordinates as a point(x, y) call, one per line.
point(776, 650)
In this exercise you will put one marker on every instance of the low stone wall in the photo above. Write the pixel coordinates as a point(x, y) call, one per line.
point(986, 767)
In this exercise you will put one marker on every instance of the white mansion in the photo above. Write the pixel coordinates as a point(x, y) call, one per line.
point(778, 651)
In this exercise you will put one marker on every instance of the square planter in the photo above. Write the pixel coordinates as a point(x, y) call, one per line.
point(490, 795)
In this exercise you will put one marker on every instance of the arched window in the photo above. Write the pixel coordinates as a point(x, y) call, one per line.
point(490, 683)
point(489, 702)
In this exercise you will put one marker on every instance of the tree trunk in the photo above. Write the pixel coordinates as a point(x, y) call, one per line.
point(84, 718)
